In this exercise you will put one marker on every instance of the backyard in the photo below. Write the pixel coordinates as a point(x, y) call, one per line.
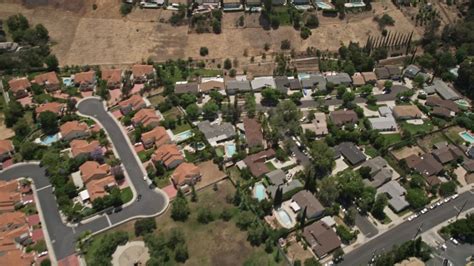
point(216, 243)
point(426, 127)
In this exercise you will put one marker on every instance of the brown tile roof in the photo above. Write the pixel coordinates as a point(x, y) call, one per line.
point(19, 84)
point(425, 164)
point(184, 171)
point(141, 70)
point(190, 87)
point(444, 155)
point(112, 76)
point(157, 135)
point(321, 238)
point(253, 132)
point(211, 85)
point(9, 195)
point(136, 102)
point(80, 147)
point(306, 199)
point(369, 76)
point(71, 126)
point(406, 111)
point(441, 111)
point(256, 162)
point(54, 107)
point(10, 220)
point(92, 169)
point(49, 78)
point(437, 101)
point(433, 180)
point(341, 117)
point(146, 117)
point(358, 79)
point(6, 146)
point(84, 77)
point(167, 154)
point(97, 187)
point(16, 257)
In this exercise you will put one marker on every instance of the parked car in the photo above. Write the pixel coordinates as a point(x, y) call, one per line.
point(455, 242)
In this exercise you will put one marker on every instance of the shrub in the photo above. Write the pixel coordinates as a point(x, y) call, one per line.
point(285, 45)
point(125, 9)
point(205, 216)
point(312, 21)
point(145, 226)
point(227, 64)
point(305, 33)
point(232, 73)
point(203, 51)
point(226, 214)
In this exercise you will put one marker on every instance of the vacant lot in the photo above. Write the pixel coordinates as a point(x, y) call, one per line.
point(216, 243)
point(86, 36)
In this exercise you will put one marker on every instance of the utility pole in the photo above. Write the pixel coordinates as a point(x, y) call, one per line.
point(460, 210)
point(418, 231)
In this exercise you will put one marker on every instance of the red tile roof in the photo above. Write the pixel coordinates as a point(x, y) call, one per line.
point(92, 169)
point(49, 78)
point(6, 146)
point(184, 171)
point(84, 77)
point(167, 154)
point(19, 84)
point(253, 132)
point(33, 220)
point(141, 70)
point(54, 107)
point(146, 117)
point(80, 147)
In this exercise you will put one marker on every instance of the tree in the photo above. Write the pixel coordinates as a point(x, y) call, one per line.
point(216, 26)
point(296, 97)
point(49, 122)
point(327, 190)
point(447, 189)
point(250, 105)
point(22, 129)
point(312, 21)
point(285, 44)
point(385, 20)
point(269, 97)
point(323, 158)
point(13, 113)
point(210, 110)
point(365, 172)
point(371, 100)
point(379, 205)
point(417, 198)
point(311, 262)
point(227, 64)
point(348, 97)
point(245, 219)
point(145, 226)
point(125, 9)
point(205, 215)
point(268, 4)
point(305, 33)
point(226, 214)
point(51, 62)
point(193, 111)
point(303, 218)
point(179, 208)
point(194, 197)
point(203, 51)
point(277, 200)
point(286, 118)
point(181, 253)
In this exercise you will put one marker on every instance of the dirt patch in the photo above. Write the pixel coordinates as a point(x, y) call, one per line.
point(407, 151)
point(427, 142)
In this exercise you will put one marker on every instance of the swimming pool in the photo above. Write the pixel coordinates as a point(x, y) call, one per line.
point(48, 140)
point(230, 150)
point(183, 135)
point(259, 191)
point(462, 104)
point(324, 5)
point(467, 136)
point(200, 146)
point(67, 81)
point(284, 218)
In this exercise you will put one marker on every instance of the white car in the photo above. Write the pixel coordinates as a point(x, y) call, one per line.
point(455, 196)
point(439, 203)
point(444, 247)
point(425, 210)
point(410, 218)
point(455, 242)
point(433, 206)
point(44, 253)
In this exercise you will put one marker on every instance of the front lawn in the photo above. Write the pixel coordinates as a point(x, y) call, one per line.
point(126, 194)
point(371, 151)
point(270, 166)
point(157, 99)
point(391, 139)
point(426, 127)
point(172, 113)
point(145, 155)
point(203, 72)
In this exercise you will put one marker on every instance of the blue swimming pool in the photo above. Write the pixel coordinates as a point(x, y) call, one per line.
point(183, 135)
point(67, 81)
point(259, 191)
point(48, 140)
point(467, 136)
point(230, 150)
point(285, 218)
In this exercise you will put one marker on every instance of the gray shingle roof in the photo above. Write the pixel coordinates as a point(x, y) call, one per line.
point(350, 152)
point(223, 131)
point(234, 86)
point(339, 78)
point(396, 195)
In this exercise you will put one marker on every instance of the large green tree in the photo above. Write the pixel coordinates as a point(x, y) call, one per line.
point(48, 122)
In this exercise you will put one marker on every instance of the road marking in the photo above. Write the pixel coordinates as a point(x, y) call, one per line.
point(74, 230)
point(456, 208)
point(108, 220)
point(39, 189)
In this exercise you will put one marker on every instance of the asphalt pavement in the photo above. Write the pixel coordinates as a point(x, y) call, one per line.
point(365, 226)
point(408, 230)
point(63, 237)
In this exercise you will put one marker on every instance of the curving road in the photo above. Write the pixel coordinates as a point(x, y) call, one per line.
point(152, 203)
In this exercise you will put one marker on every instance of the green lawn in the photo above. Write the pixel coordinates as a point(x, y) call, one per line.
point(270, 166)
point(172, 113)
point(162, 182)
point(392, 138)
point(157, 99)
point(203, 72)
point(181, 128)
point(426, 127)
point(371, 151)
point(281, 12)
point(126, 194)
point(145, 155)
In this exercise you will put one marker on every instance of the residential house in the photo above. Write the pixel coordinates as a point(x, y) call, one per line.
point(295, 84)
point(256, 162)
point(301, 2)
point(260, 83)
point(306, 199)
point(86, 81)
point(282, 84)
point(91, 170)
point(443, 108)
point(11, 220)
point(314, 81)
point(6, 149)
point(395, 72)
point(9, 195)
point(73, 130)
point(133, 103)
point(380, 172)
point(385, 122)
point(19, 87)
point(216, 133)
point(411, 71)
point(53, 107)
point(278, 2)
point(277, 180)
point(251, 5)
point(141, 73)
point(253, 132)
point(185, 175)
point(396, 195)
point(350, 152)
point(425, 164)
point(321, 238)
point(236, 86)
point(156, 136)
point(169, 155)
point(318, 125)
point(343, 117)
point(358, 79)
point(369, 77)
point(213, 4)
point(339, 79)
point(447, 153)
point(405, 112)
point(98, 188)
point(443, 89)
point(232, 5)
point(49, 80)
point(186, 87)
point(113, 77)
point(146, 117)
point(81, 147)
point(211, 84)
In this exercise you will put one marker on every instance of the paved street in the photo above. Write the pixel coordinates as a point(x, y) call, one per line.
point(407, 230)
point(365, 226)
point(63, 237)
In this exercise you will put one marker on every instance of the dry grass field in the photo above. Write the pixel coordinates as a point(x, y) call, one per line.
point(103, 37)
